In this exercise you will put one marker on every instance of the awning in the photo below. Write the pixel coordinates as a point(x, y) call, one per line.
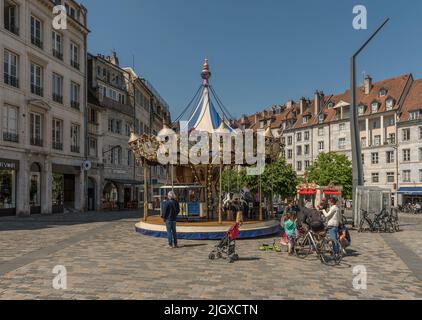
point(332, 192)
point(411, 191)
point(307, 191)
point(123, 181)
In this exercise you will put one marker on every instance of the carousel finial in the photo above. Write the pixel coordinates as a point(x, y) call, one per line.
point(206, 73)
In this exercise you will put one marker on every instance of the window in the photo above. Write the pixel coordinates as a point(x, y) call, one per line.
point(375, 177)
point(406, 155)
point(299, 137)
point(307, 164)
point(299, 166)
point(406, 175)
point(307, 149)
point(299, 150)
point(363, 142)
point(11, 71)
point(391, 122)
point(93, 147)
point(289, 154)
point(305, 120)
point(342, 127)
point(390, 156)
point(420, 175)
point(375, 158)
point(377, 140)
point(74, 55)
point(36, 79)
point(363, 158)
point(36, 32)
point(57, 45)
point(389, 104)
point(374, 107)
point(406, 134)
point(57, 136)
point(36, 129)
point(320, 132)
point(128, 125)
point(306, 135)
point(361, 110)
point(321, 146)
point(11, 17)
point(392, 138)
point(342, 143)
point(321, 118)
point(375, 124)
point(93, 116)
point(75, 138)
point(414, 115)
point(390, 177)
point(420, 133)
point(420, 154)
point(10, 124)
point(116, 156)
point(74, 95)
point(57, 88)
point(383, 93)
point(289, 140)
point(129, 157)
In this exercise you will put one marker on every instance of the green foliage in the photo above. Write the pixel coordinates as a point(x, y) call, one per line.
point(332, 168)
point(278, 178)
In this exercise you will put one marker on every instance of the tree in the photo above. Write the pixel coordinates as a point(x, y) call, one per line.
point(332, 168)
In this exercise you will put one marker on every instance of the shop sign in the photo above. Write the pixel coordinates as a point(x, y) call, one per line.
point(9, 164)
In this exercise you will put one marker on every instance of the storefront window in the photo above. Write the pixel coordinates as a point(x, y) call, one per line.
point(35, 195)
point(58, 189)
point(7, 189)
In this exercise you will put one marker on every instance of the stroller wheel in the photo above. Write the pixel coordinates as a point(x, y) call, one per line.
point(211, 256)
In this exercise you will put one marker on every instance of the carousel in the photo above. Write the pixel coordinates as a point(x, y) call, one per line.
point(206, 213)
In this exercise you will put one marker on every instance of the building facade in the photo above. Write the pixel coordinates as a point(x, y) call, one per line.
point(118, 102)
point(42, 107)
point(390, 130)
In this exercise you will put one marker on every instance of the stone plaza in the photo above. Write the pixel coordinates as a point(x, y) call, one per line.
point(106, 259)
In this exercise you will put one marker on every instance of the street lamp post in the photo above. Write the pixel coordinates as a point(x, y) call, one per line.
point(354, 119)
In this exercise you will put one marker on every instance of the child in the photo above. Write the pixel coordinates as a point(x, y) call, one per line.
point(290, 229)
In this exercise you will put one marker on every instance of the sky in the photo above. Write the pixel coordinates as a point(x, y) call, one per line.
point(261, 52)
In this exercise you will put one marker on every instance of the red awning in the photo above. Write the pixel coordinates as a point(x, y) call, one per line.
point(332, 192)
point(307, 191)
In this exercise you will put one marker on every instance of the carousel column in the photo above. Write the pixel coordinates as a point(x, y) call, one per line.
point(47, 188)
point(145, 191)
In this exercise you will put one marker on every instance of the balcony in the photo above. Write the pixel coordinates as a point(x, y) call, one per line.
point(58, 98)
point(75, 149)
point(75, 64)
point(93, 128)
point(57, 145)
point(75, 105)
point(117, 106)
point(58, 54)
point(36, 141)
point(12, 28)
point(10, 137)
point(11, 80)
point(37, 90)
point(36, 42)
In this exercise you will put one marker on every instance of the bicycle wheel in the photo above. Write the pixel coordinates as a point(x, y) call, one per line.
point(327, 255)
point(303, 247)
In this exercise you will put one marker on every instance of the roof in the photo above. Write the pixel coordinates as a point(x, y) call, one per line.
point(413, 100)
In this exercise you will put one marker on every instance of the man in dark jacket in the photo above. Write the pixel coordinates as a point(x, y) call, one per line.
point(171, 209)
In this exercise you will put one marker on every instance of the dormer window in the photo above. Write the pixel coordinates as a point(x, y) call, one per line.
point(305, 120)
point(321, 118)
point(331, 105)
point(374, 107)
point(389, 104)
point(361, 110)
point(414, 115)
point(383, 92)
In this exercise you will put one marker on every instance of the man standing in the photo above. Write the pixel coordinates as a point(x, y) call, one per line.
point(333, 217)
point(171, 209)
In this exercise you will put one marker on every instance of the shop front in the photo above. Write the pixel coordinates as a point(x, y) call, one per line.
point(64, 187)
point(411, 195)
point(8, 183)
point(119, 194)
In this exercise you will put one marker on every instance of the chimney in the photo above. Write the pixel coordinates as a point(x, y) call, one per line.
point(114, 59)
point(302, 105)
point(289, 104)
point(317, 102)
point(368, 84)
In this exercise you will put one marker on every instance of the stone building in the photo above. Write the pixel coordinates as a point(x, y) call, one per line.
point(390, 130)
point(42, 104)
point(118, 102)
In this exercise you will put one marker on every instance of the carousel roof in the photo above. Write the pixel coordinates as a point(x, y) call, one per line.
point(205, 116)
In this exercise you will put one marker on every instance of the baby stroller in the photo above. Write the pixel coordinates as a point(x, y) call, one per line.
point(226, 248)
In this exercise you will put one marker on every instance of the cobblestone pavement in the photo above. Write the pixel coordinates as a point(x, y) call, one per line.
point(106, 259)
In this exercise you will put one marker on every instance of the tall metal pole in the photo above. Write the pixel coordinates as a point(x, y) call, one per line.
point(354, 121)
point(261, 216)
point(145, 191)
point(220, 205)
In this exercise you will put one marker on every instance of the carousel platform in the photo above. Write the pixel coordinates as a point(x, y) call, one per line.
point(207, 230)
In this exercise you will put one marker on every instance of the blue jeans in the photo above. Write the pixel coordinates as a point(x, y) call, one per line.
point(171, 232)
point(333, 231)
